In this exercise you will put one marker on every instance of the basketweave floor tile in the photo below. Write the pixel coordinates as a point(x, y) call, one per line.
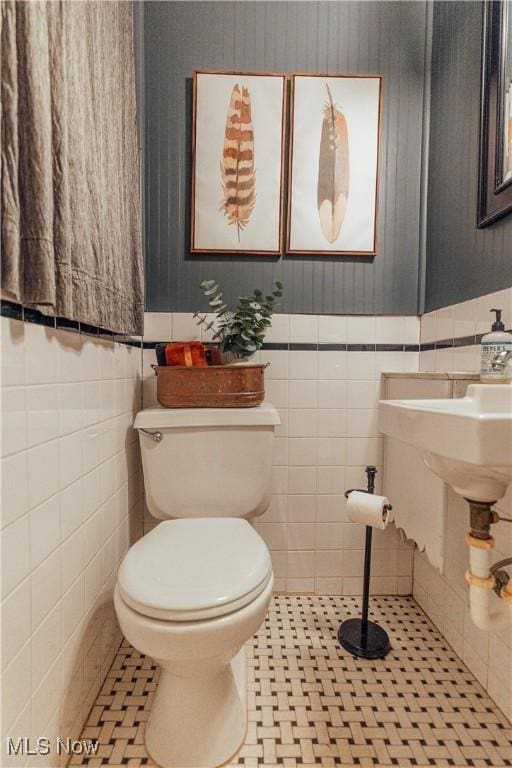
point(313, 704)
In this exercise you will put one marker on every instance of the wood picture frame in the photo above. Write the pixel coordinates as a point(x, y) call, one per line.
point(333, 193)
point(495, 171)
point(238, 162)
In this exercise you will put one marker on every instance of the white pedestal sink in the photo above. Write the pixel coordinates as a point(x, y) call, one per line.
point(467, 442)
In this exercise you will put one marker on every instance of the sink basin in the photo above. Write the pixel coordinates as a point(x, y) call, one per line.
point(467, 442)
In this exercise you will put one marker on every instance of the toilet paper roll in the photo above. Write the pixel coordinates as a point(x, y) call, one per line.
point(368, 509)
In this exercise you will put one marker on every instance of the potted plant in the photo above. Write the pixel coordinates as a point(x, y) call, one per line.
point(239, 332)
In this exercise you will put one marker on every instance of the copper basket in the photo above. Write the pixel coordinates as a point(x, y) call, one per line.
point(216, 386)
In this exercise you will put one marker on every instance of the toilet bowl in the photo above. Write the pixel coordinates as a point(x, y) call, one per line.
point(190, 594)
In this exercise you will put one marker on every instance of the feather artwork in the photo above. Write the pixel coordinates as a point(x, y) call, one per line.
point(237, 166)
point(333, 170)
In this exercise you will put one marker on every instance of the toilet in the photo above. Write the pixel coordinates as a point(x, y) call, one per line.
point(192, 591)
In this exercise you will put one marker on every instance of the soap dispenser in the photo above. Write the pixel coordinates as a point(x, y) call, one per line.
point(492, 343)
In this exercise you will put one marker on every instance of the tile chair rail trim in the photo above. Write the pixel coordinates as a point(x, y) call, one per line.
point(327, 347)
point(458, 341)
point(28, 315)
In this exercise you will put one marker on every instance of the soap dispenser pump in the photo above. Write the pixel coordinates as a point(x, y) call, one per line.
point(492, 343)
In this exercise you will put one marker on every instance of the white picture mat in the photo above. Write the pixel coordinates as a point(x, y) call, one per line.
point(211, 228)
point(358, 99)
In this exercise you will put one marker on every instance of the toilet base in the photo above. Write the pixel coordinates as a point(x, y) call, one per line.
point(199, 722)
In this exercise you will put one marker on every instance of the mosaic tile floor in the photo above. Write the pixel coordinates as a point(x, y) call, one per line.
point(312, 704)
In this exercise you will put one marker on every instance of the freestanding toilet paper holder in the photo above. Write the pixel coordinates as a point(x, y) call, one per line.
point(362, 637)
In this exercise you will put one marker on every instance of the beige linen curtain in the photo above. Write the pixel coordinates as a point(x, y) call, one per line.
point(70, 179)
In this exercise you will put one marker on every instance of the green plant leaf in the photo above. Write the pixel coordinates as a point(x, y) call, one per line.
point(250, 346)
point(242, 330)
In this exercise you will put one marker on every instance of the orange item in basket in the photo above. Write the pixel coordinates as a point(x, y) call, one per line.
point(188, 354)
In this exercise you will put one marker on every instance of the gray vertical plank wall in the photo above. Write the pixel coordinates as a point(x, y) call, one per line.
point(331, 37)
point(462, 261)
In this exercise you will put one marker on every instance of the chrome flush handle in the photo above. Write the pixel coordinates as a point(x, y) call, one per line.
point(156, 436)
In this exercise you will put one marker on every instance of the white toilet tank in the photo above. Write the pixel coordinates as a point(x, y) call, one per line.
point(210, 462)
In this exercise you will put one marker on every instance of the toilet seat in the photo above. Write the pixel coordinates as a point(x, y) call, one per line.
point(195, 569)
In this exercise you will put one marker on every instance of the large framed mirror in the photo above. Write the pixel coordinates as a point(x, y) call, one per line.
point(495, 182)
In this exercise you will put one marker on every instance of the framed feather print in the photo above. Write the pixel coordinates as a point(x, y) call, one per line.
point(237, 168)
point(333, 164)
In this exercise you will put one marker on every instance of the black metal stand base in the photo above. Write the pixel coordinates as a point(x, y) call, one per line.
point(374, 644)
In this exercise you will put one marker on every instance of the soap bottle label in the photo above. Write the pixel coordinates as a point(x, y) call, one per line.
point(489, 350)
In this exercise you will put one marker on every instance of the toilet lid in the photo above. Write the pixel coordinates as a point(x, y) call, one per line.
point(185, 570)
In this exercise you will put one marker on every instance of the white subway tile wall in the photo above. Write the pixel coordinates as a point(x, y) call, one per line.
point(327, 403)
point(466, 319)
point(72, 492)
point(71, 502)
point(444, 597)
